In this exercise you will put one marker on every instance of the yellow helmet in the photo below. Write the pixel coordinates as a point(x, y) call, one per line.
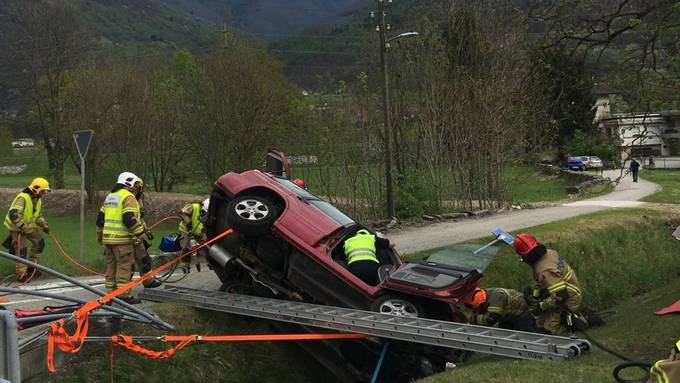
point(39, 184)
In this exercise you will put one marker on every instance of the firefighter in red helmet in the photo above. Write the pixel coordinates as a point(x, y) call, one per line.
point(556, 299)
point(300, 183)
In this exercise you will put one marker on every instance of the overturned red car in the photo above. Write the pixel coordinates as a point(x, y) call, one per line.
point(289, 244)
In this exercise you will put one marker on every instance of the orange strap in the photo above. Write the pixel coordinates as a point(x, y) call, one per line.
point(127, 342)
point(72, 343)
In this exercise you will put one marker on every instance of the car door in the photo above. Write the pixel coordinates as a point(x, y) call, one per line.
point(277, 163)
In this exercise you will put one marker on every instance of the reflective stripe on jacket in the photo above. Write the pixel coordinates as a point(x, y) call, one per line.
point(667, 370)
point(196, 224)
point(115, 232)
point(29, 212)
point(361, 247)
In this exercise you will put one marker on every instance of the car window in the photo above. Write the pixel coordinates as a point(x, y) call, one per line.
point(313, 200)
point(463, 256)
point(332, 212)
point(294, 188)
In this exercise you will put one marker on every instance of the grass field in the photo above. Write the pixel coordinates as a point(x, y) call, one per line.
point(67, 231)
point(626, 262)
point(669, 181)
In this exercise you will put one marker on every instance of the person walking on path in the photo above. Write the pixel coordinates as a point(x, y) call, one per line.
point(634, 168)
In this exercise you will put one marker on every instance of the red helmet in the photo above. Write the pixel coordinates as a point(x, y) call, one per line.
point(299, 182)
point(524, 243)
point(476, 298)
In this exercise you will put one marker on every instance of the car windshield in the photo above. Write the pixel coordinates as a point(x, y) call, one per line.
point(462, 256)
point(315, 201)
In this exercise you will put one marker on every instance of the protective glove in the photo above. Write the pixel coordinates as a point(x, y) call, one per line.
point(149, 235)
point(46, 229)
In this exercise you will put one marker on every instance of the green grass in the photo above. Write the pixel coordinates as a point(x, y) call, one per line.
point(633, 330)
point(527, 184)
point(256, 362)
point(37, 167)
point(67, 230)
point(669, 181)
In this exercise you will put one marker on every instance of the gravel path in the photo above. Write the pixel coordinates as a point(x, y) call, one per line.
point(415, 239)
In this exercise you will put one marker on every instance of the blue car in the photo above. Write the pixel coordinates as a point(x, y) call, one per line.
point(576, 163)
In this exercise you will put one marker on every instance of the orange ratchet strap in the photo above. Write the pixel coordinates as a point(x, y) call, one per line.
point(128, 343)
point(57, 334)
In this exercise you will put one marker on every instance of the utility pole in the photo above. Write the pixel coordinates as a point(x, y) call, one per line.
point(382, 28)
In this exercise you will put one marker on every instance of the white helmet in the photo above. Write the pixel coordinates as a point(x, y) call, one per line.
point(205, 204)
point(129, 179)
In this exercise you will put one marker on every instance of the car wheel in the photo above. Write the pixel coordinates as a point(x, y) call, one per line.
point(398, 306)
point(251, 215)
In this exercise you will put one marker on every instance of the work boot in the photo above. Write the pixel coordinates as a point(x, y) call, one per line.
point(131, 300)
point(152, 283)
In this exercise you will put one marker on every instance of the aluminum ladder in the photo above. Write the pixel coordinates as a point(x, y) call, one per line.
point(488, 340)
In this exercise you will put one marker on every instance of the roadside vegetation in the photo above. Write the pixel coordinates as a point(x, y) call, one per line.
point(670, 185)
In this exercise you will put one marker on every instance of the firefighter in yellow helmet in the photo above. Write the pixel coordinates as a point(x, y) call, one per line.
point(192, 227)
point(120, 229)
point(24, 221)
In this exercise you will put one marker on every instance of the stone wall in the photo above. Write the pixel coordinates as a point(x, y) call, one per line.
point(67, 202)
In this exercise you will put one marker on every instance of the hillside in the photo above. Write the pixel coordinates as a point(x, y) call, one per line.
point(269, 19)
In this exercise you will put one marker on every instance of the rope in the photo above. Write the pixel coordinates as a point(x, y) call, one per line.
point(165, 219)
point(71, 343)
point(65, 254)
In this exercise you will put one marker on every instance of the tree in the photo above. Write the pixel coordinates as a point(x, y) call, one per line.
point(48, 40)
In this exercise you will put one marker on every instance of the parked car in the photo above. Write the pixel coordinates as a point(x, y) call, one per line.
point(576, 163)
point(593, 162)
point(289, 244)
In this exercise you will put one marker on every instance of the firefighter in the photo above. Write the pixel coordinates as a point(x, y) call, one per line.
point(667, 370)
point(192, 227)
point(24, 221)
point(506, 308)
point(142, 258)
point(362, 260)
point(556, 299)
point(120, 229)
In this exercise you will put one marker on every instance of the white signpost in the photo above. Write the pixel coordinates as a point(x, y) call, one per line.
point(83, 139)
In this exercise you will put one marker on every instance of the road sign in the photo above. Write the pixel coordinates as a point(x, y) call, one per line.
point(83, 138)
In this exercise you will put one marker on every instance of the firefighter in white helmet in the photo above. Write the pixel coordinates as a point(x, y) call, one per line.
point(119, 229)
point(192, 226)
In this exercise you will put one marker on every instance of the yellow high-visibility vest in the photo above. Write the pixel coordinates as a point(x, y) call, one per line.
point(29, 216)
point(361, 247)
point(196, 224)
point(115, 232)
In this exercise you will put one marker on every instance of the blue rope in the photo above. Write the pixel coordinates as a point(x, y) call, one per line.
point(374, 379)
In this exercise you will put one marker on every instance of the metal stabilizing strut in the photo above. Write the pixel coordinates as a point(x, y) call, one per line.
point(489, 340)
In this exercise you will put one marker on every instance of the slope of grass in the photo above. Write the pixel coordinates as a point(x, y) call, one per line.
point(669, 181)
point(257, 362)
point(633, 330)
point(617, 254)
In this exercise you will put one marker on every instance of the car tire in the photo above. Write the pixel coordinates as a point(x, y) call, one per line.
point(398, 306)
point(251, 215)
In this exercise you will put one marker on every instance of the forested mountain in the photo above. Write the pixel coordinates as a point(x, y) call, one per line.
point(271, 19)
